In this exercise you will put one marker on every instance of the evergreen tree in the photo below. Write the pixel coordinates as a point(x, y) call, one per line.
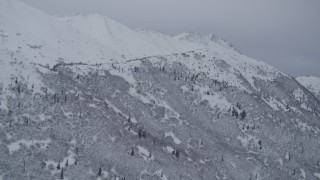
point(24, 166)
point(144, 134)
point(61, 175)
point(19, 89)
point(140, 133)
point(260, 144)
point(173, 152)
point(235, 113)
point(129, 120)
point(100, 172)
point(243, 114)
point(67, 163)
point(177, 153)
point(58, 166)
point(238, 105)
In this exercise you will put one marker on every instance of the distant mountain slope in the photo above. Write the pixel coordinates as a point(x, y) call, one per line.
point(132, 43)
point(139, 43)
point(311, 83)
point(208, 41)
point(85, 97)
point(128, 42)
point(33, 29)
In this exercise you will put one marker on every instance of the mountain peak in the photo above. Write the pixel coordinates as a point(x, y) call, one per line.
point(190, 36)
point(209, 40)
point(85, 97)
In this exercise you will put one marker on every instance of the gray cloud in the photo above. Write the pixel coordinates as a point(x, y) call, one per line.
point(283, 33)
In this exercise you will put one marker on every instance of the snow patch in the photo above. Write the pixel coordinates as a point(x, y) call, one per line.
point(216, 100)
point(145, 154)
point(303, 173)
point(15, 146)
point(92, 105)
point(274, 104)
point(168, 149)
point(173, 136)
point(133, 92)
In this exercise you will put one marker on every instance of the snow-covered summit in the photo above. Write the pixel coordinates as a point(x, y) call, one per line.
point(47, 37)
point(139, 43)
point(136, 44)
point(129, 42)
point(94, 38)
point(208, 41)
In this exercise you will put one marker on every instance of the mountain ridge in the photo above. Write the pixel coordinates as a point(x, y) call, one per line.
point(79, 102)
point(167, 44)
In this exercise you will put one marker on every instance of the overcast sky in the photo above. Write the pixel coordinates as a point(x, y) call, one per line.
point(282, 33)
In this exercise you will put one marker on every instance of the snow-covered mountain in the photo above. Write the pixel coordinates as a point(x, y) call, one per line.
point(312, 83)
point(209, 41)
point(139, 43)
point(128, 42)
point(85, 97)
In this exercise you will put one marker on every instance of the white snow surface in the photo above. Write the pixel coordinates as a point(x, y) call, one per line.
point(52, 36)
point(40, 41)
point(145, 154)
point(134, 44)
point(15, 146)
point(128, 42)
point(311, 83)
point(274, 104)
point(173, 136)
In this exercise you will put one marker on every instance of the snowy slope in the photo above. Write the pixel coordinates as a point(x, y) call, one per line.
point(139, 43)
point(36, 30)
point(102, 101)
point(131, 43)
point(311, 83)
point(31, 37)
point(97, 39)
point(210, 40)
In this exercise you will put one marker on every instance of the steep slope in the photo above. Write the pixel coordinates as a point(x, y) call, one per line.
point(95, 113)
point(133, 43)
point(41, 31)
point(311, 83)
point(30, 37)
point(139, 43)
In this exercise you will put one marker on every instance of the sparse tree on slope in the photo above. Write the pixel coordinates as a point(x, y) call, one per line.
point(100, 172)
point(61, 175)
